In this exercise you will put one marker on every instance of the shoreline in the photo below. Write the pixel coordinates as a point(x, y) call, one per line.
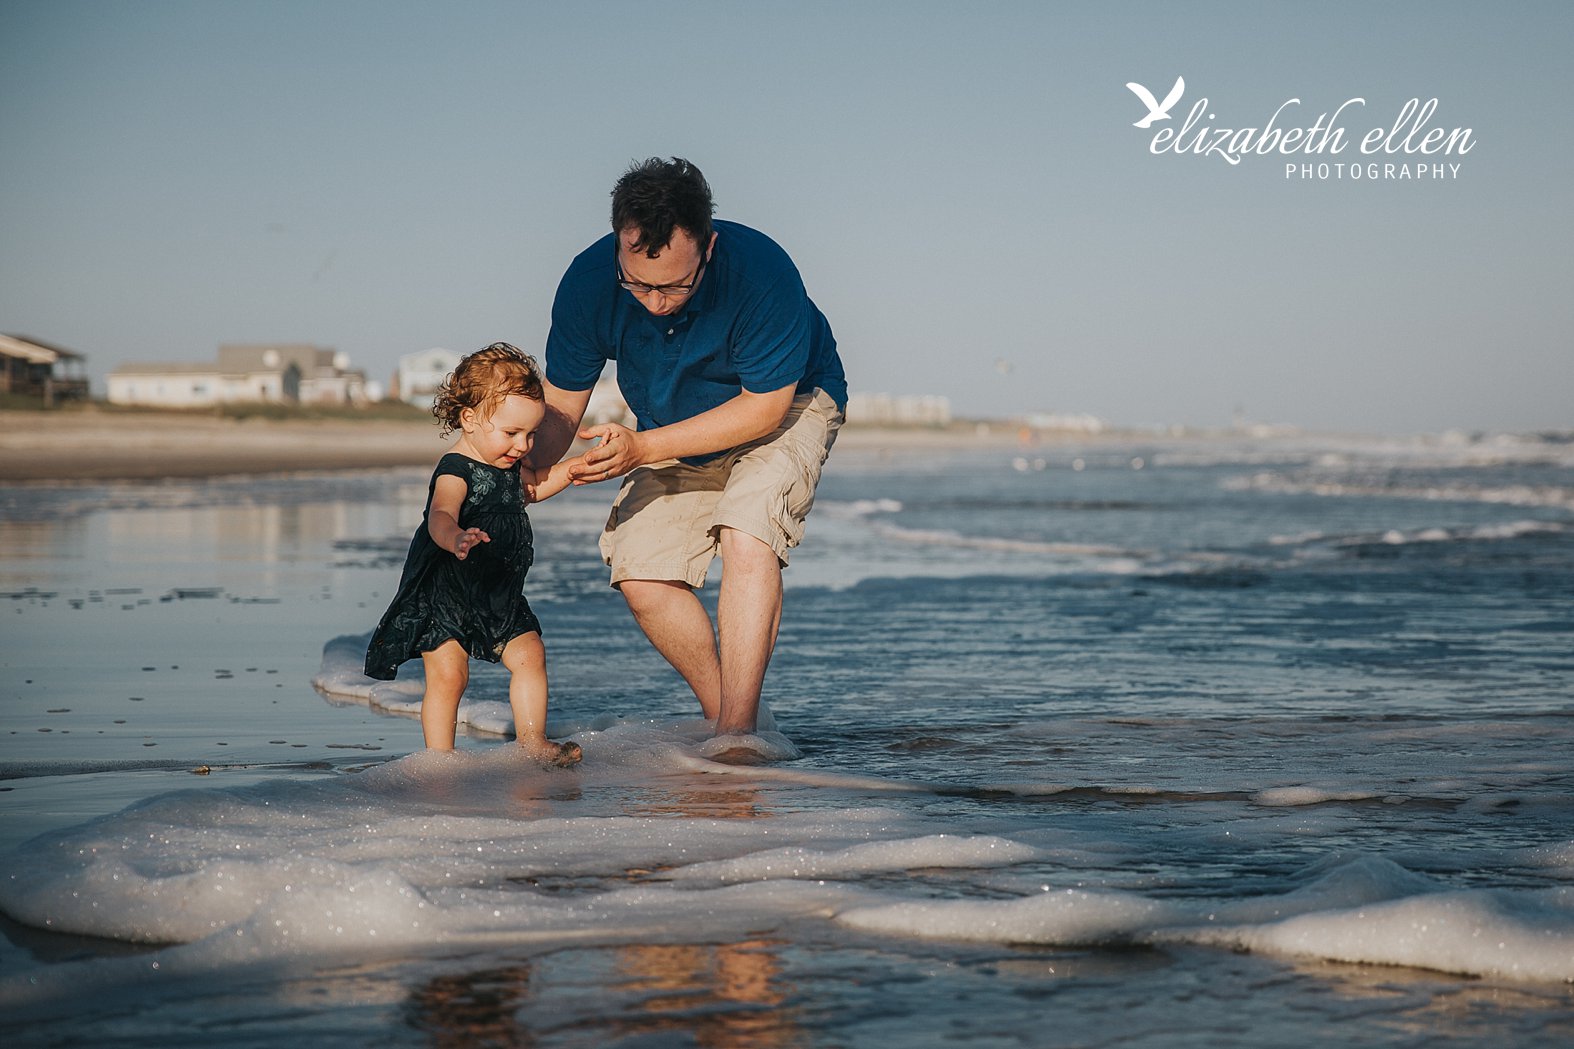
point(149, 446)
point(97, 445)
point(106, 446)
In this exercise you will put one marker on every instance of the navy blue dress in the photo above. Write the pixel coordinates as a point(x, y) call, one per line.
point(480, 601)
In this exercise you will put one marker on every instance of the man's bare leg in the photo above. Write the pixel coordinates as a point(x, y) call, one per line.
point(676, 623)
point(748, 614)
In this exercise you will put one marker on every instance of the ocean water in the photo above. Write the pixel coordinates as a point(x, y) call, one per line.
point(1139, 743)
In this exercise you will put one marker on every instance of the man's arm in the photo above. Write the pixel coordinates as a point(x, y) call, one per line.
point(565, 410)
point(747, 417)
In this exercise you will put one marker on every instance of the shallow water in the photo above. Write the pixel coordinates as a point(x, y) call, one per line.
point(1186, 742)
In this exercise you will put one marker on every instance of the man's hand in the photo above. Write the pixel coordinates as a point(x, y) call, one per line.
point(620, 451)
point(746, 417)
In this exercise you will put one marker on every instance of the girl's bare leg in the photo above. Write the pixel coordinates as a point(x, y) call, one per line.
point(526, 660)
point(447, 674)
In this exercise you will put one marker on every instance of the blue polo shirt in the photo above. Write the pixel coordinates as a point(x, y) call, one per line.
point(748, 326)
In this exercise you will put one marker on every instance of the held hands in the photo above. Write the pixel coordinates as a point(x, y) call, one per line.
point(544, 484)
point(620, 451)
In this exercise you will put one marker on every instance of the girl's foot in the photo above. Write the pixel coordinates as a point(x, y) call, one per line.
point(555, 755)
point(567, 753)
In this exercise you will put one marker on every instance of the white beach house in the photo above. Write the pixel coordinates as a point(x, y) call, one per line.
point(420, 374)
point(272, 373)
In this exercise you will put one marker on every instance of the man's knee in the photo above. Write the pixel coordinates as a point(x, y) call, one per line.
point(643, 594)
point(740, 550)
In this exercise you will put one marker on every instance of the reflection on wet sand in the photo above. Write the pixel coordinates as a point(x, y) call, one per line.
point(719, 995)
point(712, 995)
point(533, 799)
point(700, 800)
point(1421, 1003)
point(473, 1009)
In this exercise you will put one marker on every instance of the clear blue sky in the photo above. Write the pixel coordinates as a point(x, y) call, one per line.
point(960, 184)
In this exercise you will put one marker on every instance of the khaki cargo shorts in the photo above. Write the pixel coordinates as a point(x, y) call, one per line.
point(665, 522)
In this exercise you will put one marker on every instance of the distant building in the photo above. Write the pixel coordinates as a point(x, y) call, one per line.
point(32, 368)
point(1066, 422)
point(419, 375)
point(884, 409)
point(269, 373)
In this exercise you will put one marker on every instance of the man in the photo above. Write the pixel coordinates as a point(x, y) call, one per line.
point(733, 377)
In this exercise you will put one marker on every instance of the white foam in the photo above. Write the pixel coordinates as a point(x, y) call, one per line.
point(1506, 934)
point(1524, 495)
point(342, 679)
point(1368, 910)
point(856, 508)
point(453, 848)
point(766, 745)
point(931, 851)
point(868, 540)
point(1308, 795)
point(196, 863)
point(1064, 916)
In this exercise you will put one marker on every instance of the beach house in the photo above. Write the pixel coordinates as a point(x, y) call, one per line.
point(32, 368)
point(272, 373)
point(418, 375)
point(884, 409)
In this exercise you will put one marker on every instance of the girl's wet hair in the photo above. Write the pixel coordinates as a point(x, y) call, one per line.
point(483, 379)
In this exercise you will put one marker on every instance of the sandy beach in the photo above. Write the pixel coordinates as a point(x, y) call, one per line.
point(109, 445)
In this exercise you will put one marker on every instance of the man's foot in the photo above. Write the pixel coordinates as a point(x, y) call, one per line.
point(739, 756)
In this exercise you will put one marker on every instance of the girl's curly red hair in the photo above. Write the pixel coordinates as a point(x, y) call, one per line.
point(483, 379)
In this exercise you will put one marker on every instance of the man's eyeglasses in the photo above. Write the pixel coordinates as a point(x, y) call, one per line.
point(671, 291)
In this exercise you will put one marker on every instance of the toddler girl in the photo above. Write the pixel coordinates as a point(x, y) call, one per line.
point(462, 591)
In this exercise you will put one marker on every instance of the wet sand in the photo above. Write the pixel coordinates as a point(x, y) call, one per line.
point(96, 445)
point(107, 445)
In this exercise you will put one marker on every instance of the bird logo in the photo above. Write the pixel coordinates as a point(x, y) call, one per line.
point(1155, 110)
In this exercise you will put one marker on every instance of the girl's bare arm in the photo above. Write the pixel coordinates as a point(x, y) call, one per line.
point(551, 481)
point(442, 518)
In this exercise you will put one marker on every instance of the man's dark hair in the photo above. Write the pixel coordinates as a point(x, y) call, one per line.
point(658, 196)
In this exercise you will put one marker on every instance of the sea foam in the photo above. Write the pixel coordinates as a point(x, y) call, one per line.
point(1367, 910)
point(342, 679)
point(458, 848)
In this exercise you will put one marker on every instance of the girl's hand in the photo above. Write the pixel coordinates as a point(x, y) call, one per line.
point(468, 540)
